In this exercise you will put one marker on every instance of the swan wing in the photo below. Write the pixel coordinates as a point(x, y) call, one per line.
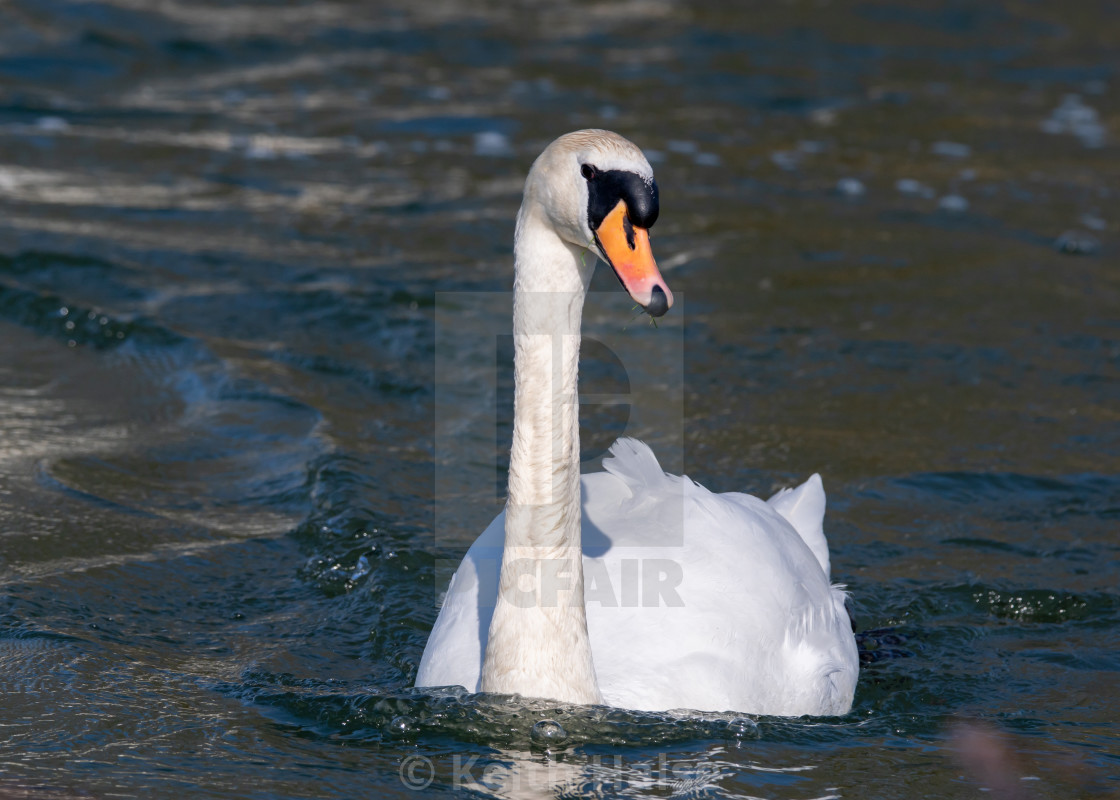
point(708, 601)
point(457, 643)
point(803, 507)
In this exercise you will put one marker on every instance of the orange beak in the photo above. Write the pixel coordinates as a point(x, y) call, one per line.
point(626, 248)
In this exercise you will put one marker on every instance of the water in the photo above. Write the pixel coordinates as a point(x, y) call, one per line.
point(226, 235)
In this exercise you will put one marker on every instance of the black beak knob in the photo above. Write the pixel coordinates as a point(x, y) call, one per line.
point(658, 303)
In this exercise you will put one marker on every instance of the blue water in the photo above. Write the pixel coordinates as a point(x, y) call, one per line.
point(239, 244)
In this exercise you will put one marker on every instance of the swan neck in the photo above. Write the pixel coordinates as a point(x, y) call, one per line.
point(549, 291)
point(538, 645)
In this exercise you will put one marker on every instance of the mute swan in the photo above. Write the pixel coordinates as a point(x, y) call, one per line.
point(628, 587)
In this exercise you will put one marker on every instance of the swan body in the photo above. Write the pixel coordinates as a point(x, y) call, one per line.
point(629, 587)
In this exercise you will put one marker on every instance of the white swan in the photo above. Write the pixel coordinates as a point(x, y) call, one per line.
point(660, 595)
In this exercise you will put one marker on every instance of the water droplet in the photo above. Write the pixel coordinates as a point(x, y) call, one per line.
point(548, 732)
point(742, 728)
point(400, 725)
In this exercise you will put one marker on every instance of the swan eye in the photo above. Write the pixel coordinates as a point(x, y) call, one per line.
point(587, 171)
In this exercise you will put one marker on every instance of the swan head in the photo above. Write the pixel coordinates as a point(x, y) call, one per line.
point(597, 191)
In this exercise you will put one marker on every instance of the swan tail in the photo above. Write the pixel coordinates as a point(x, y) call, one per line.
point(634, 463)
point(803, 508)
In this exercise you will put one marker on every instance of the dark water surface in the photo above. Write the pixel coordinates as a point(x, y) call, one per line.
point(226, 231)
